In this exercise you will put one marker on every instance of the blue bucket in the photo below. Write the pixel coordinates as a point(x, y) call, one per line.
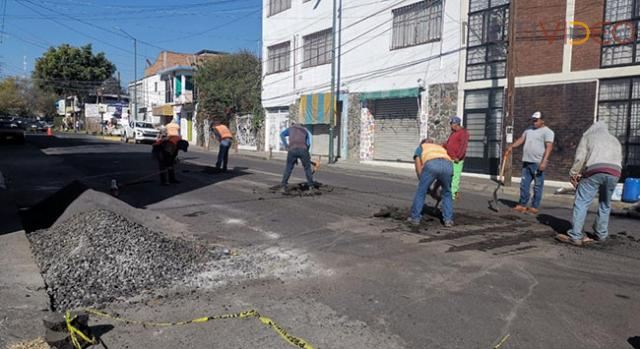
point(631, 192)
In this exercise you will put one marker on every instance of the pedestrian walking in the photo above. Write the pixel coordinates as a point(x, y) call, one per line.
point(538, 145)
point(596, 170)
point(432, 163)
point(456, 147)
point(224, 137)
point(298, 148)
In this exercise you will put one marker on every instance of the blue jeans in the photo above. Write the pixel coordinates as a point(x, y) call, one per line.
point(223, 154)
point(437, 169)
point(602, 184)
point(292, 156)
point(530, 173)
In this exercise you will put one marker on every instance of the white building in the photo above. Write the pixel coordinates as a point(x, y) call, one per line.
point(398, 63)
point(167, 90)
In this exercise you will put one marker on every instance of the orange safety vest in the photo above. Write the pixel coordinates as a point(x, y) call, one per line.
point(432, 151)
point(224, 132)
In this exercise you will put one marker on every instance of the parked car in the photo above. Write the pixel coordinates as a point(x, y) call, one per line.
point(10, 131)
point(140, 131)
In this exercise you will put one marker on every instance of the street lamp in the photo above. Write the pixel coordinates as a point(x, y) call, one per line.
point(135, 73)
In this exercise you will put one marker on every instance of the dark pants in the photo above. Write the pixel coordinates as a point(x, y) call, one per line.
point(166, 153)
point(292, 156)
point(223, 154)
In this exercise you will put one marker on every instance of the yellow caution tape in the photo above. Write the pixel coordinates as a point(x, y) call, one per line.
point(504, 339)
point(74, 333)
point(295, 341)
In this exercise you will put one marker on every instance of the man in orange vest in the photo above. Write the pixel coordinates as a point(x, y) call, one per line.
point(432, 163)
point(224, 137)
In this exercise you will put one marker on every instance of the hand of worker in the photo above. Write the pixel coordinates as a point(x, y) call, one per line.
point(574, 181)
point(543, 166)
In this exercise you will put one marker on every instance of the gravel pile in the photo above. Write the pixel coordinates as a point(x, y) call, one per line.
point(98, 257)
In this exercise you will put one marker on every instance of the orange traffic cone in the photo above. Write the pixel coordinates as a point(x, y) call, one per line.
point(49, 133)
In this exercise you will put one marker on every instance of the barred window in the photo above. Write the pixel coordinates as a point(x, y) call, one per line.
point(277, 6)
point(487, 39)
point(278, 57)
point(620, 39)
point(619, 108)
point(417, 24)
point(317, 48)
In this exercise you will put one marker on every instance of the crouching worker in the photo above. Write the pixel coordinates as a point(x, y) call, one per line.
point(165, 151)
point(432, 163)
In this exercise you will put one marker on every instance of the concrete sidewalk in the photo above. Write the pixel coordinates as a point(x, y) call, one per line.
point(23, 295)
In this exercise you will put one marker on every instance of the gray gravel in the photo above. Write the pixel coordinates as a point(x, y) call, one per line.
point(98, 257)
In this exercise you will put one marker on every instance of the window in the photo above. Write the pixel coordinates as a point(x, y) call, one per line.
point(278, 57)
point(277, 6)
point(620, 39)
point(317, 48)
point(487, 39)
point(155, 87)
point(417, 24)
point(168, 91)
point(619, 107)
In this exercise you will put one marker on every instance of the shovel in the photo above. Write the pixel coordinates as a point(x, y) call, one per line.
point(493, 204)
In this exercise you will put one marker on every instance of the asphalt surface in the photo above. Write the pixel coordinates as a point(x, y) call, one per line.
point(347, 279)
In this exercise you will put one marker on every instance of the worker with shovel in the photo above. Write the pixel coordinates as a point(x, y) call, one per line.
point(538, 144)
point(432, 163)
point(225, 138)
point(298, 148)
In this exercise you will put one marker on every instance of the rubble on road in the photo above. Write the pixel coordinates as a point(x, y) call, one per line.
point(98, 257)
point(37, 343)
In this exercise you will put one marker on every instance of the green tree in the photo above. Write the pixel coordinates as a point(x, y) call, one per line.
point(12, 98)
point(67, 70)
point(230, 83)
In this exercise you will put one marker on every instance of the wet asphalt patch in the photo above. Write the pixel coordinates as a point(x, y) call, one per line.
point(473, 231)
point(302, 189)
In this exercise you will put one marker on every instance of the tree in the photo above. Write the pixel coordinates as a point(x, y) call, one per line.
point(20, 97)
point(230, 83)
point(67, 70)
point(12, 98)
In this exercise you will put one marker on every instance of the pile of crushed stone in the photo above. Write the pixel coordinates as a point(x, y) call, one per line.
point(98, 257)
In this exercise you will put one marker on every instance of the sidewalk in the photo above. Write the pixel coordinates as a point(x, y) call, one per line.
point(22, 290)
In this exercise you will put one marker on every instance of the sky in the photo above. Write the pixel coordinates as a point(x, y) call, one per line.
point(29, 27)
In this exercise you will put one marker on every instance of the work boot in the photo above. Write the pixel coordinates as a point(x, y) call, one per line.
point(413, 222)
point(448, 224)
point(284, 190)
point(520, 208)
point(532, 211)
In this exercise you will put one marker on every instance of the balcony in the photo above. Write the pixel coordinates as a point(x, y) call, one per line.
point(185, 98)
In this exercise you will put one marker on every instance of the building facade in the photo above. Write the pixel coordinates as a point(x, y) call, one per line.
point(397, 66)
point(577, 61)
point(167, 91)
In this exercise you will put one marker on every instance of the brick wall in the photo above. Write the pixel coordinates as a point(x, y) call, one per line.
point(587, 55)
point(568, 112)
point(540, 36)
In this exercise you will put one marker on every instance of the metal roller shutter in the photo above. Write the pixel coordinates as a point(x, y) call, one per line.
point(320, 139)
point(397, 129)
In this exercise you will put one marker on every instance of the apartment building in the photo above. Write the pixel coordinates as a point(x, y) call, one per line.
point(397, 65)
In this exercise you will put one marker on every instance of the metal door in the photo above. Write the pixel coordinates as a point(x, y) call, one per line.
point(397, 129)
point(483, 119)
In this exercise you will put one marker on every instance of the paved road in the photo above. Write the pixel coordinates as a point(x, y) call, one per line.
point(347, 279)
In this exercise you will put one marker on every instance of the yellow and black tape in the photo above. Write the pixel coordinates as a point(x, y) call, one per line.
point(75, 334)
point(293, 340)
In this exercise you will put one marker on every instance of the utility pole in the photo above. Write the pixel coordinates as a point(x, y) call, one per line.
point(332, 109)
point(508, 120)
point(135, 78)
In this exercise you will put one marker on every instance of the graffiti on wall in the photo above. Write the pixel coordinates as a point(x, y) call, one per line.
point(245, 131)
point(367, 128)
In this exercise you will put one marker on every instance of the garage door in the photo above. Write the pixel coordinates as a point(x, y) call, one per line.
point(397, 129)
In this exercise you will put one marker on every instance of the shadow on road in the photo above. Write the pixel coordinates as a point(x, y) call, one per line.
point(559, 225)
point(85, 163)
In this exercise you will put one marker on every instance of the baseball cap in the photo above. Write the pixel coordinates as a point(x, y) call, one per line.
point(455, 120)
point(537, 115)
